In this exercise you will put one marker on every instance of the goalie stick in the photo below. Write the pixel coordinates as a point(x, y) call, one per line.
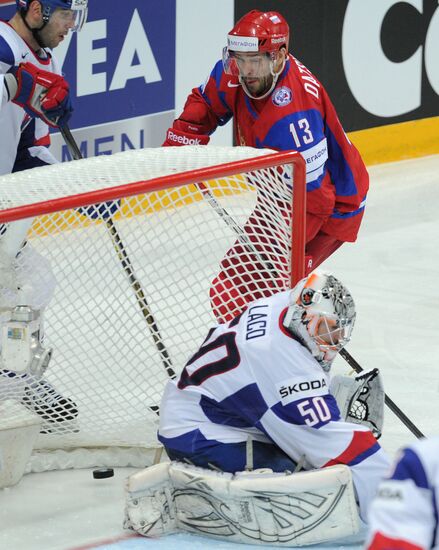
point(243, 239)
point(236, 228)
point(129, 270)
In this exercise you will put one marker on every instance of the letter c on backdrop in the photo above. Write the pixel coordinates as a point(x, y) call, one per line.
point(381, 87)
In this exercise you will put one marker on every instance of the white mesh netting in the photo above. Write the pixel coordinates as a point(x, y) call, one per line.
point(130, 287)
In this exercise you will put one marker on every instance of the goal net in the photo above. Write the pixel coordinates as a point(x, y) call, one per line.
point(132, 258)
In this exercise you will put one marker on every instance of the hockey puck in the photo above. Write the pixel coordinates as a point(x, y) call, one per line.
point(102, 473)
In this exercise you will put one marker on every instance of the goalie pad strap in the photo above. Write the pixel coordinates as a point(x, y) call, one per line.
point(250, 507)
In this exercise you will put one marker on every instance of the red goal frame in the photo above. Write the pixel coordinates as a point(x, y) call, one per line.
point(191, 177)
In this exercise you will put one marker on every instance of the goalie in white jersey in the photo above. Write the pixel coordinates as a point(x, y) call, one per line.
point(404, 515)
point(265, 376)
point(33, 96)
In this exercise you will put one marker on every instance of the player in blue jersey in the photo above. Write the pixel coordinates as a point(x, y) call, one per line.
point(265, 376)
point(404, 515)
point(33, 96)
point(277, 103)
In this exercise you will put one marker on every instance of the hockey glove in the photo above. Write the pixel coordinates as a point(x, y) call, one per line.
point(360, 399)
point(42, 94)
point(185, 133)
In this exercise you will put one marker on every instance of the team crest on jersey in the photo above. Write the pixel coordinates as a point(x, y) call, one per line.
point(283, 96)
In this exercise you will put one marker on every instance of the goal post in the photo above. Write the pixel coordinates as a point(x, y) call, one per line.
point(145, 250)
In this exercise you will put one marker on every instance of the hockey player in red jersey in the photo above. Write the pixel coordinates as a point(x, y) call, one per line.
point(277, 103)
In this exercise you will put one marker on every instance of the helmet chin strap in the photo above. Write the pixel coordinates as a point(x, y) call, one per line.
point(35, 31)
point(273, 84)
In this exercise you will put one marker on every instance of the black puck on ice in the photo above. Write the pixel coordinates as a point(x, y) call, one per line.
point(102, 473)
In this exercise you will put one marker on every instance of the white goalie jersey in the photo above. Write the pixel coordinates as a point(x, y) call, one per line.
point(251, 378)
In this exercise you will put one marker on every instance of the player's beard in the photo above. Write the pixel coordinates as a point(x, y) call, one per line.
point(49, 37)
point(258, 86)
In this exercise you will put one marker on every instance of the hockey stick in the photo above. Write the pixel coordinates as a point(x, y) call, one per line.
point(392, 406)
point(242, 237)
point(237, 229)
point(128, 268)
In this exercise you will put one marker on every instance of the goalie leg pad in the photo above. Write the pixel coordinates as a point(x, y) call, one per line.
point(18, 433)
point(281, 509)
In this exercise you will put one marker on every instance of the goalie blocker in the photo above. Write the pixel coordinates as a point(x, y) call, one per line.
point(281, 509)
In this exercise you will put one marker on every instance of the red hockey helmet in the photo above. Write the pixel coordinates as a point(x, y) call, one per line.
point(259, 31)
point(252, 51)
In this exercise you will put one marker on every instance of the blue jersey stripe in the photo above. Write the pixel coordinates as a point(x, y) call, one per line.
point(6, 53)
point(190, 442)
point(436, 520)
point(411, 467)
point(228, 457)
point(242, 409)
point(216, 75)
point(365, 454)
point(341, 173)
point(342, 215)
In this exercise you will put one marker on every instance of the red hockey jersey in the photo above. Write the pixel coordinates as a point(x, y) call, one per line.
point(297, 115)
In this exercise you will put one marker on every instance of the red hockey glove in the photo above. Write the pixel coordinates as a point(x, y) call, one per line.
point(42, 94)
point(185, 133)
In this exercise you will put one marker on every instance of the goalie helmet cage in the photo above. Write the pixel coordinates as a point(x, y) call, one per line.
point(144, 245)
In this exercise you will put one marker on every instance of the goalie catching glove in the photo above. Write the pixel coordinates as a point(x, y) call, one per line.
point(41, 93)
point(360, 399)
point(282, 509)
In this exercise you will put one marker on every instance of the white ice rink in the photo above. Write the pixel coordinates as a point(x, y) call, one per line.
point(392, 272)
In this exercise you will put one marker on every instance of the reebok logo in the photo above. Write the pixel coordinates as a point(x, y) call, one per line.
point(183, 139)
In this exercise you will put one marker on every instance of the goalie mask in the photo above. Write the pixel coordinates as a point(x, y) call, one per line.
point(321, 315)
point(74, 10)
point(253, 51)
